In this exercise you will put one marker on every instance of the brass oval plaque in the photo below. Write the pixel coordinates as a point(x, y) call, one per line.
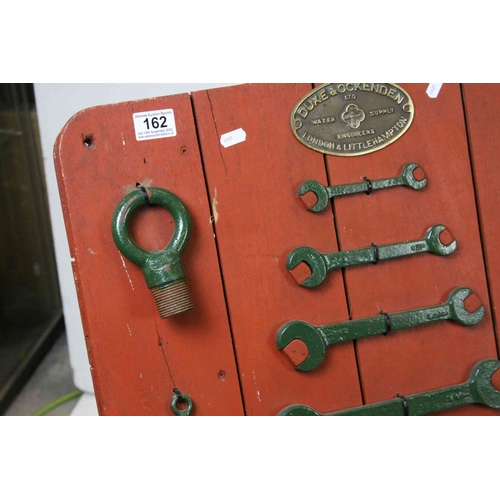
point(351, 119)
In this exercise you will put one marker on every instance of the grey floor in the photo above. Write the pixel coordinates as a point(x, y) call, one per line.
point(51, 380)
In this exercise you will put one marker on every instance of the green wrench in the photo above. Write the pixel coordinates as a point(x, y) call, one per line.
point(316, 196)
point(438, 240)
point(305, 344)
point(478, 389)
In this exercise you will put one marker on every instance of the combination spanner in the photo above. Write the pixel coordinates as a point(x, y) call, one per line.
point(305, 344)
point(438, 240)
point(478, 389)
point(315, 196)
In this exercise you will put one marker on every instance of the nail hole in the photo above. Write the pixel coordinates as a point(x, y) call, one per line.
point(222, 375)
point(144, 160)
point(184, 151)
point(88, 140)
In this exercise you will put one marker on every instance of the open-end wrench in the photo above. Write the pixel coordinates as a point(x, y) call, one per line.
point(478, 389)
point(438, 240)
point(305, 344)
point(315, 196)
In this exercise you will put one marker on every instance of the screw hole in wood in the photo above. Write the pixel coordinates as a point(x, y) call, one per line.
point(88, 140)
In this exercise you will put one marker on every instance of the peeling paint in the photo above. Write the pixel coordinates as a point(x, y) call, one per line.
point(89, 250)
point(123, 142)
point(214, 207)
point(255, 382)
point(126, 270)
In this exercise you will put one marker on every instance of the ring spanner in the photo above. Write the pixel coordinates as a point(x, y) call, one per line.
point(438, 240)
point(315, 196)
point(478, 389)
point(305, 344)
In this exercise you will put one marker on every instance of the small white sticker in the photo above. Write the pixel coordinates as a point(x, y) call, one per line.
point(433, 89)
point(154, 124)
point(232, 138)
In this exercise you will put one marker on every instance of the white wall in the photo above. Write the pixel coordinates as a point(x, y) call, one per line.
point(56, 103)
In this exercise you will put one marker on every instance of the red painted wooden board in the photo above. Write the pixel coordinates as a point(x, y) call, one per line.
point(442, 354)
point(253, 210)
point(258, 221)
point(482, 105)
point(137, 358)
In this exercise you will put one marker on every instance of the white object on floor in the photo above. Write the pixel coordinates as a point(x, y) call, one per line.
point(86, 406)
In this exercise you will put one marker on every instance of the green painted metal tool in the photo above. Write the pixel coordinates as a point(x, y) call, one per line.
point(478, 389)
point(324, 193)
point(178, 398)
point(163, 269)
point(305, 344)
point(321, 263)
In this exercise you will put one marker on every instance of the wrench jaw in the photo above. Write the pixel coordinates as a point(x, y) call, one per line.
point(408, 176)
point(438, 240)
point(480, 383)
point(459, 310)
point(321, 194)
point(308, 338)
point(314, 260)
point(298, 411)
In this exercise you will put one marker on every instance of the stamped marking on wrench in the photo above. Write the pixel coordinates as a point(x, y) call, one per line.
point(310, 342)
point(479, 388)
point(438, 240)
point(315, 196)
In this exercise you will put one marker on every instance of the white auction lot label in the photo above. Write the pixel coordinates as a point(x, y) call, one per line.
point(154, 124)
point(232, 138)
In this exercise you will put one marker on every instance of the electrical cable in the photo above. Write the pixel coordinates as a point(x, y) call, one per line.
point(58, 402)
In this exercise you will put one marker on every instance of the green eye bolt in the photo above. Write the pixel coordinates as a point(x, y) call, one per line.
point(163, 269)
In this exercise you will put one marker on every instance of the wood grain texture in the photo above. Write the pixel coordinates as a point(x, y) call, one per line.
point(260, 219)
point(441, 354)
point(253, 210)
point(482, 106)
point(137, 358)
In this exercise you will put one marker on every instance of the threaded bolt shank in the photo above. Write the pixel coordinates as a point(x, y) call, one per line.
point(172, 298)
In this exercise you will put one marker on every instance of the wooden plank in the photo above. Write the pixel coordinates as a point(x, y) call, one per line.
point(258, 221)
point(482, 106)
point(137, 358)
point(444, 353)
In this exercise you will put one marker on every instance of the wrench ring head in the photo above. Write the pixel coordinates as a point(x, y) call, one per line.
point(480, 383)
point(458, 311)
point(315, 342)
point(434, 243)
point(319, 190)
point(408, 178)
point(298, 411)
point(315, 262)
